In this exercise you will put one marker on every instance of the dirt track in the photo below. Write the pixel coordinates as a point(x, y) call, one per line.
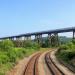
point(40, 64)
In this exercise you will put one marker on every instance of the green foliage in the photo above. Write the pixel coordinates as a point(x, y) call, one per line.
point(46, 43)
point(66, 55)
point(3, 58)
point(67, 51)
point(20, 52)
point(35, 46)
point(63, 47)
point(12, 55)
point(15, 53)
point(6, 45)
point(30, 44)
point(73, 41)
point(11, 52)
point(27, 44)
point(18, 43)
point(5, 67)
point(64, 39)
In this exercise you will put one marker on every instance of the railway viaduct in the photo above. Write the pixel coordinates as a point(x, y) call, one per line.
point(38, 35)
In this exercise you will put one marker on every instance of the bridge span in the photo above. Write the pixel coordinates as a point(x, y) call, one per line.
point(38, 35)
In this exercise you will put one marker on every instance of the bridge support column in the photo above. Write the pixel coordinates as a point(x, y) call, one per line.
point(17, 38)
point(0, 39)
point(13, 38)
point(73, 34)
point(54, 39)
point(10, 38)
point(20, 38)
point(38, 38)
point(57, 39)
point(6, 39)
point(28, 38)
point(25, 38)
point(19, 41)
point(49, 39)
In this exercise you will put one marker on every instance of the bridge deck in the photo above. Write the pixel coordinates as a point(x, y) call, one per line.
point(44, 32)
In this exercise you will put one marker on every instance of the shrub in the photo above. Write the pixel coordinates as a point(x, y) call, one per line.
point(20, 52)
point(30, 44)
point(35, 45)
point(63, 55)
point(66, 55)
point(18, 43)
point(70, 45)
point(73, 41)
point(63, 47)
point(6, 45)
point(12, 55)
point(67, 51)
point(4, 59)
point(27, 44)
point(46, 43)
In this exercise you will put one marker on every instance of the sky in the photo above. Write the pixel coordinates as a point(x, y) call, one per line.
point(24, 16)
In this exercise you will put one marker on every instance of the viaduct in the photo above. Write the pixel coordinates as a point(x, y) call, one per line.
point(38, 35)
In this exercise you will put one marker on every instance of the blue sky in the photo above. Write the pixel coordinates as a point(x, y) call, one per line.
point(23, 16)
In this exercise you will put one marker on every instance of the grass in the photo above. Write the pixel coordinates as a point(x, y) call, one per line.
point(5, 67)
point(10, 54)
point(8, 64)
